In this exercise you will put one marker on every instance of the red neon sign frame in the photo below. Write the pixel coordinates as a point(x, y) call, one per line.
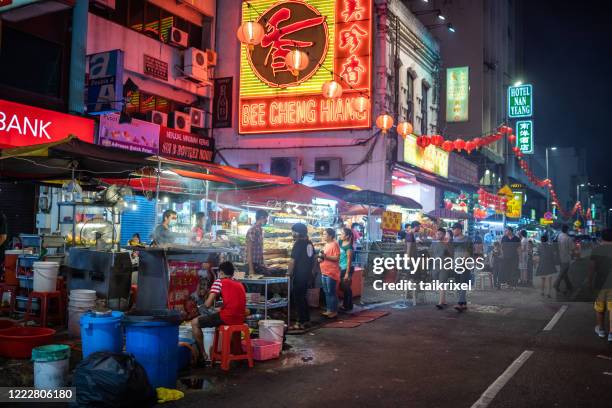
point(294, 112)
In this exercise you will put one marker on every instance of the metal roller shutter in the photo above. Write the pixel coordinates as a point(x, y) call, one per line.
point(141, 221)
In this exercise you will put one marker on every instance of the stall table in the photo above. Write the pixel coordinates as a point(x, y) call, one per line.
point(265, 281)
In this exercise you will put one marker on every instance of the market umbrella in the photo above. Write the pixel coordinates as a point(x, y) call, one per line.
point(375, 198)
point(448, 214)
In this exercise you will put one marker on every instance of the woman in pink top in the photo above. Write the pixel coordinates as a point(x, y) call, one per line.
point(330, 272)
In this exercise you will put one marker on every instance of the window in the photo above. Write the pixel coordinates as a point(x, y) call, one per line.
point(410, 98)
point(139, 103)
point(153, 21)
point(424, 105)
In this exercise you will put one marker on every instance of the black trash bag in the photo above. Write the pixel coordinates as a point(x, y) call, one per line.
point(107, 379)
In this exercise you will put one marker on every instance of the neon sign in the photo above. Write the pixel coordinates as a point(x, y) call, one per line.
point(336, 35)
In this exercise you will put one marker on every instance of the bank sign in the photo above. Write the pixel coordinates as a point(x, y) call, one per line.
point(337, 37)
point(520, 101)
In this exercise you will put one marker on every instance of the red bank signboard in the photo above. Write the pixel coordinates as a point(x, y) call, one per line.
point(337, 37)
point(23, 125)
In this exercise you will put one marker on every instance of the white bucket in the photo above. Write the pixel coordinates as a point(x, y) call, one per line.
point(83, 294)
point(272, 330)
point(74, 320)
point(82, 303)
point(209, 338)
point(185, 332)
point(45, 277)
point(50, 375)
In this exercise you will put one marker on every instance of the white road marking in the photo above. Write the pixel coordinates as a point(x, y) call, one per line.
point(487, 397)
point(555, 318)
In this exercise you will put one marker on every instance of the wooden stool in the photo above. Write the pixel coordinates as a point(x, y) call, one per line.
point(45, 316)
point(12, 290)
point(226, 355)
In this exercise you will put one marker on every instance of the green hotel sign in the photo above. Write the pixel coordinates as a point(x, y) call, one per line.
point(520, 101)
point(457, 94)
point(524, 136)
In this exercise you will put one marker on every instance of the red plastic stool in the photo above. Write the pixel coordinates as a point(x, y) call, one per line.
point(45, 316)
point(231, 336)
point(12, 290)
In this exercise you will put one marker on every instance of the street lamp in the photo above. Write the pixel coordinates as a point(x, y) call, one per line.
point(548, 178)
point(578, 191)
point(518, 83)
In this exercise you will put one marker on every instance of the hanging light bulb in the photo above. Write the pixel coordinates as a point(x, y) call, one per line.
point(404, 128)
point(296, 61)
point(361, 104)
point(250, 34)
point(332, 89)
point(384, 122)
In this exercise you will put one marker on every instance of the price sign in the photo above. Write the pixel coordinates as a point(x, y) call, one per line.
point(391, 221)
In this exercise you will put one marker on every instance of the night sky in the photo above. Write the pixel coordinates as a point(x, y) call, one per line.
point(568, 59)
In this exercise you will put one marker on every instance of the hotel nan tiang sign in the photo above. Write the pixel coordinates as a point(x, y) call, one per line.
point(337, 37)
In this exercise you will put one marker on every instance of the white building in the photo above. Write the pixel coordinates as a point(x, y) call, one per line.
point(367, 158)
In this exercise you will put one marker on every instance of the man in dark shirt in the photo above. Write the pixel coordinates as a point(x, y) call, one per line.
point(3, 238)
point(510, 246)
point(300, 270)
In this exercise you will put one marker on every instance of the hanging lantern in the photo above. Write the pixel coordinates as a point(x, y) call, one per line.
point(515, 149)
point(296, 61)
point(384, 122)
point(459, 144)
point(447, 145)
point(477, 142)
point(437, 140)
point(250, 34)
point(512, 139)
point(469, 146)
point(423, 141)
point(361, 104)
point(332, 89)
point(498, 136)
point(404, 129)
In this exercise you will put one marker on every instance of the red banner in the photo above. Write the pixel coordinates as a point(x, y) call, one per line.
point(178, 144)
point(23, 125)
point(184, 281)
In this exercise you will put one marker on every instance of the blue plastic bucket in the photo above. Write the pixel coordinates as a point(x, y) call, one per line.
point(101, 333)
point(154, 345)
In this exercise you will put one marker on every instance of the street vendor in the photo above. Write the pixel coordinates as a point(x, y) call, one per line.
point(162, 234)
point(200, 228)
point(233, 310)
point(300, 271)
point(254, 243)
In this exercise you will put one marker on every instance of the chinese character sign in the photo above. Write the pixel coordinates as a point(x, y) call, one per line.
point(431, 158)
point(520, 101)
point(524, 136)
point(336, 35)
point(391, 221)
point(457, 94)
point(514, 206)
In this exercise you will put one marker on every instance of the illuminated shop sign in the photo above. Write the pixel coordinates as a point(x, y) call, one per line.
point(431, 158)
point(336, 35)
point(457, 94)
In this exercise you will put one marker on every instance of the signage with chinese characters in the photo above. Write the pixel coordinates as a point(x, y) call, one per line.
point(222, 103)
point(514, 207)
point(391, 221)
point(520, 101)
point(431, 158)
point(457, 94)
point(524, 136)
point(336, 35)
point(136, 136)
point(155, 68)
point(177, 144)
point(105, 82)
point(23, 125)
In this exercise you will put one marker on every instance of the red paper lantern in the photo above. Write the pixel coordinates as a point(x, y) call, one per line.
point(469, 146)
point(515, 149)
point(448, 205)
point(425, 141)
point(477, 142)
point(437, 140)
point(448, 145)
point(498, 136)
point(512, 139)
point(459, 144)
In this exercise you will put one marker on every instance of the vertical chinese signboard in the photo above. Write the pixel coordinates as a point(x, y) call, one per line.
point(524, 136)
point(337, 37)
point(520, 101)
point(222, 103)
point(457, 94)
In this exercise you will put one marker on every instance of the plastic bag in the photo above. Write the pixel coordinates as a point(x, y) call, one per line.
point(112, 380)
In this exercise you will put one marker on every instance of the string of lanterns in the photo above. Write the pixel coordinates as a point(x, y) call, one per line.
point(546, 183)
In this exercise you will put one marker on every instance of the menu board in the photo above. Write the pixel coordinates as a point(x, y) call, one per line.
point(136, 136)
point(183, 288)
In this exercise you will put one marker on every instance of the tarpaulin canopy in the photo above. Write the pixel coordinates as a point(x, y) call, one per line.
point(297, 193)
point(335, 190)
point(448, 214)
point(361, 210)
point(375, 198)
point(58, 160)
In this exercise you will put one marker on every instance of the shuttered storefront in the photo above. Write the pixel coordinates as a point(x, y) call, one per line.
point(18, 203)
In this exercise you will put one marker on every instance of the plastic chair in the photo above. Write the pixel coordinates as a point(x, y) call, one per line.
point(44, 299)
point(12, 290)
point(231, 336)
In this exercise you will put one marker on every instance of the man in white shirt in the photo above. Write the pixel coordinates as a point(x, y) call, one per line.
point(566, 246)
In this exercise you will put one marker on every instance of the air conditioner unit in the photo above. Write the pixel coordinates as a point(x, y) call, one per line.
point(198, 118)
point(287, 166)
point(195, 64)
point(328, 168)
point(211, 58)
point(182, 121)
point(157, 117)
point(178, 37)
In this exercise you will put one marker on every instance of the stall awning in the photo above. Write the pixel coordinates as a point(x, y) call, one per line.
point(297, 193)
point(56, 161)
point(335, 190)
point(375, 198)
point(448, 214)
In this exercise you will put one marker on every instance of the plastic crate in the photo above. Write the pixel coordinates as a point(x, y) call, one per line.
point(265, 350)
